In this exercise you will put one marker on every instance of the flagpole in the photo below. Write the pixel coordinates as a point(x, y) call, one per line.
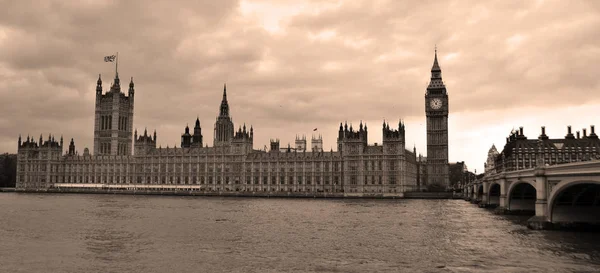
point(117, 65)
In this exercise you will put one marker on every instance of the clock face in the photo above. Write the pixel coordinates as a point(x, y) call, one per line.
point(436, 103)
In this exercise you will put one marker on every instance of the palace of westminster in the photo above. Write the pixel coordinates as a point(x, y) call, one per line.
point(232, 165)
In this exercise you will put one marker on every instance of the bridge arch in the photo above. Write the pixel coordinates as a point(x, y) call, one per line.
point(479, 193)
point(494, 194)
point(575, 201)
point(521, 196)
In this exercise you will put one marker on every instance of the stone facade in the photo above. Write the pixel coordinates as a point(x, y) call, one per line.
point(436, 110)
point(113, 122)
point(520, 153)
point(230, 166)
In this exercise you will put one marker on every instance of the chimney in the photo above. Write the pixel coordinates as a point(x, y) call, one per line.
point(592, 129)
point(569, 130)
point(543, 130)
point(521, 130)
point(584, 133)
point(577, 134)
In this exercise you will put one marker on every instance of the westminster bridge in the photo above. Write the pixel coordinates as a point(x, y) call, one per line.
point(560, 195)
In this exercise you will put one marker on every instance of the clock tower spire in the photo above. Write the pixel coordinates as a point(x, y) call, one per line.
point(436, 112)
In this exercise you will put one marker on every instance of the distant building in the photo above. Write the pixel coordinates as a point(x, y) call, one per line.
point(490, 164)
point(520, 153)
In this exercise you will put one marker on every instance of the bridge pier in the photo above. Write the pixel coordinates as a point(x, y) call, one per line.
point(503, 206)
point(541, 219)
point(484, 198)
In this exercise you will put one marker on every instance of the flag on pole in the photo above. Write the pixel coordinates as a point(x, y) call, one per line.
point(110, 58)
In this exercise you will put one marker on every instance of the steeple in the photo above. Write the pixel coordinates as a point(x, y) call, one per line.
point(436, 75)
point(224, 112)
point(197, 123)
point(436, 66)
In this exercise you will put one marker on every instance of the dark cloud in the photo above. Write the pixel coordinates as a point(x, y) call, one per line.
point(291, 66)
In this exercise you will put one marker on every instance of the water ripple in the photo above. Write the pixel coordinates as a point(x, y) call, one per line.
point(114, 233)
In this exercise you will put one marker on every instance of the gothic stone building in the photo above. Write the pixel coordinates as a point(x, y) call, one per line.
point(231, 165)
point(521, 153)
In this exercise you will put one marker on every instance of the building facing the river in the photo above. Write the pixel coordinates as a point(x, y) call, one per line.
point(231, 164)
point(521, 153)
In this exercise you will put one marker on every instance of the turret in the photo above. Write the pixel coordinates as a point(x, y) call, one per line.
point(116, 87)
point(99, 86)
point(186, 138)
point(131, 89)
point(197, 138)
point(274, 145)
point(72, 147)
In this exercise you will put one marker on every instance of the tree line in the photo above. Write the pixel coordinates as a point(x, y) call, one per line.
point(8, 170)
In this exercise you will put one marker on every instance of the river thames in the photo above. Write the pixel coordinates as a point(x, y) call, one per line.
point(121, 233)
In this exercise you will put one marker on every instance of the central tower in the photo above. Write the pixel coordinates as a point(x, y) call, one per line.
point(436, 111)
point(224, 125)
point(113, 125)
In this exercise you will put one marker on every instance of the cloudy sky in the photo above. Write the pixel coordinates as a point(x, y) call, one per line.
point(292, 66)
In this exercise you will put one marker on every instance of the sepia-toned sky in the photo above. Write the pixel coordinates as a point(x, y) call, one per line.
point(292, 66)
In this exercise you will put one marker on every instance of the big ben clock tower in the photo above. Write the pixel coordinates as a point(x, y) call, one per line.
point(436, 110)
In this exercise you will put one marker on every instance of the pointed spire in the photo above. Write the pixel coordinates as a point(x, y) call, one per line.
point(154, 136)
point(197, 123)
point(436, 66)
point(224, 112)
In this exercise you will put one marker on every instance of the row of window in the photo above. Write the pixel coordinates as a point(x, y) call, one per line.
point(194, 180)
